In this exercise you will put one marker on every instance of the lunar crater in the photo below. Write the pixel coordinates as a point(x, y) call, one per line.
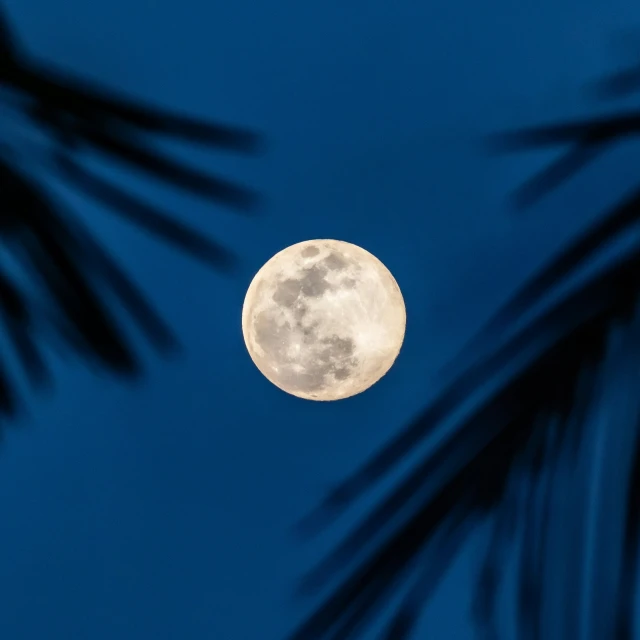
point(310, 251)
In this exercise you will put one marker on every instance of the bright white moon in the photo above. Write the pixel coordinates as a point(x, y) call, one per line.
point(323, 320)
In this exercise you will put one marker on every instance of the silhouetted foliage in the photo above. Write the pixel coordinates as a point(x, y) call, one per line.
point(59, 282)
point(626, 80)
point(620, 84)
point(537, 440)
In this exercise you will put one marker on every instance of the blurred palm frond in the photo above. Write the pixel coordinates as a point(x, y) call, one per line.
point(620, 84)
point(625, 81)
point(537, 441)
point(56, 279)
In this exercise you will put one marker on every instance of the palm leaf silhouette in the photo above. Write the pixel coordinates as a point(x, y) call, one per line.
point(537, 438)
point(56, 279)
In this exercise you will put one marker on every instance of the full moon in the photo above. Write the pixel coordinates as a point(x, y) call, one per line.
point(323, 320)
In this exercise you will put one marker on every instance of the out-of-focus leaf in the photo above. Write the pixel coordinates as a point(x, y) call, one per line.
point(524, 418)
point(74, 290)
point(148, 217)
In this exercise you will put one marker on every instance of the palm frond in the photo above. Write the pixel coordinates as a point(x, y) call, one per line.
point(521, 448)
point(621, 84)
point(59, 281)
point(586, 140)
point(151, 218)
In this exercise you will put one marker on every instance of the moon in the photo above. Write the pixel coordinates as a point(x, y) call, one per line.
point(323, 320)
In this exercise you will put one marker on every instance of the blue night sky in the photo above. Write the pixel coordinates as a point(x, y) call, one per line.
point(163, 510)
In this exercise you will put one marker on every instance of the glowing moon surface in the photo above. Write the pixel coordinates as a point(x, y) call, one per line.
point(323, 320)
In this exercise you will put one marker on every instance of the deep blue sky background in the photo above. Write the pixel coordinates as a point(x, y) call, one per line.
point(164, 510)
